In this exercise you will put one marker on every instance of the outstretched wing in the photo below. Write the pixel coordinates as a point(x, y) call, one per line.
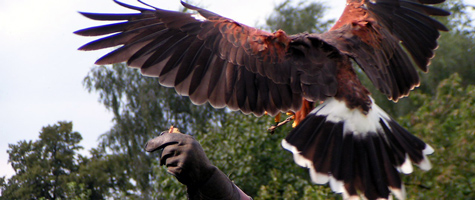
point(215, 59)
point(389, 39)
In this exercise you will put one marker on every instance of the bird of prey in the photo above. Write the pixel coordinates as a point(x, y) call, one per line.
point(346, 141)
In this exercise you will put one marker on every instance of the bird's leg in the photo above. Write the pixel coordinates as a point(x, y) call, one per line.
point(306, 108)
point(277, 118)
point(279, 123)
point(298, 116)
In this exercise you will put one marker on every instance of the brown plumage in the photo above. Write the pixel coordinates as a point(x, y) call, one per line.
point(229, 64)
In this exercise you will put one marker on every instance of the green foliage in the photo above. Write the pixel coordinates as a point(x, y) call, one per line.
point(102, 175)
point(253, 157)
point(43, 167)
point(75, 191)
point(51, 168)
point(142, 109)
point(165, 185)
point(242, 148)
point(446, 122)
point(456, 52)
point(298, 17)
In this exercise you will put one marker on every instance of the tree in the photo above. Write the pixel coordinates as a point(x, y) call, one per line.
point(42, 168)
point(100, 176)
point(51, 168)
point(254, 159)
point(446, 122)
point(142, 109)
point(298, 17)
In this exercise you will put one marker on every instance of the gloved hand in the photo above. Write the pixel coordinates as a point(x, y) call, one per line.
point(185, 159)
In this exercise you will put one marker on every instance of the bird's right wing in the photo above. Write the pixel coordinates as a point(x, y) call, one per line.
point(217, 60)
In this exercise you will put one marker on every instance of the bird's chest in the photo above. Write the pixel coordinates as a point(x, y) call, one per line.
point(350, 89)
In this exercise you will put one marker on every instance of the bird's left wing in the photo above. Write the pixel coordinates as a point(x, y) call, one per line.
point(217, 60)
point(389, 40)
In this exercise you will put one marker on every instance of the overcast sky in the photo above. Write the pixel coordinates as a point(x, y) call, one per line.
point(41, 71)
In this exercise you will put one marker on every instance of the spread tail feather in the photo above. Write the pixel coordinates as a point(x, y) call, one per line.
point(356, 152)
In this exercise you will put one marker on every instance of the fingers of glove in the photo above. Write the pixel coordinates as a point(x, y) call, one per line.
point(166, 139)
point(169, 152)
point(184, 174)
point(175, 166)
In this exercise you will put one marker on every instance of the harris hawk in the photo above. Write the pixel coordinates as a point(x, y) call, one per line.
point(346, 141)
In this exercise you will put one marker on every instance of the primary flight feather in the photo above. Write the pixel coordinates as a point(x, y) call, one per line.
point(347, 141)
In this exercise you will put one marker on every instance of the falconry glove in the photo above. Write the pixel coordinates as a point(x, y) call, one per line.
point(185, 159)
